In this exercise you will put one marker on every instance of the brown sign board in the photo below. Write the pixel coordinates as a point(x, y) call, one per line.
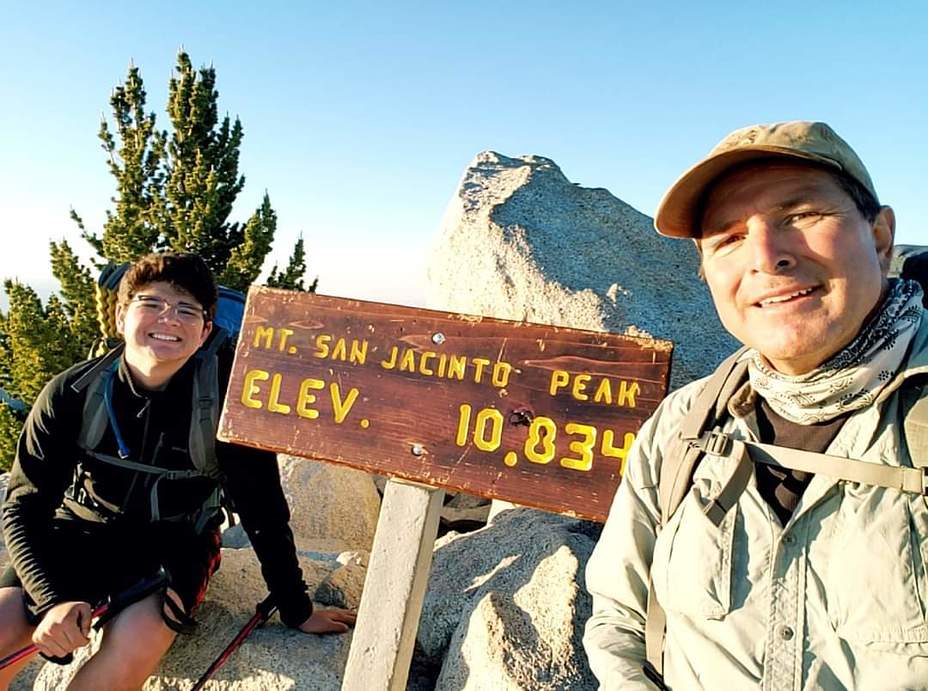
point(538, 415)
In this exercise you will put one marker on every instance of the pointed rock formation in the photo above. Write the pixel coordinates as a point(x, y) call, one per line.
point(520, 241)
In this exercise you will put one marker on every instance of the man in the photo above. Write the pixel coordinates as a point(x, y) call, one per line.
point(802, 580)
point(81, 524)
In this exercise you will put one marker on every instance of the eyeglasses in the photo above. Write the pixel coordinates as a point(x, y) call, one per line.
point(157, 306)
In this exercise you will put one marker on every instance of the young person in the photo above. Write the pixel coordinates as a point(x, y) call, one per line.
point(85, 517)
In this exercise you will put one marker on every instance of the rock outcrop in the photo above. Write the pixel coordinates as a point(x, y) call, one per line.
point(506, 605)
point(334, 508)
point(520, 241)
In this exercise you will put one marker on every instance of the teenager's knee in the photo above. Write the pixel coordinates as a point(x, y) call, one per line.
point(130, 650)
point(139, 629)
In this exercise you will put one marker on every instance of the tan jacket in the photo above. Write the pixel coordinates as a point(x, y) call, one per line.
point(835, 599)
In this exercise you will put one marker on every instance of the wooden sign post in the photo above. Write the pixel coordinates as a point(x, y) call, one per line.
point(541, 416)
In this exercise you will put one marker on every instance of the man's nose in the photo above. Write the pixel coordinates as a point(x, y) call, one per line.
point(770, 249)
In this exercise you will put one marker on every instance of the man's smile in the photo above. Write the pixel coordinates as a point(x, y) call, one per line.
point(783, 297)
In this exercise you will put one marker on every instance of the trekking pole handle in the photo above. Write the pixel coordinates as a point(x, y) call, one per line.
point(103, 612)
point(32, 648)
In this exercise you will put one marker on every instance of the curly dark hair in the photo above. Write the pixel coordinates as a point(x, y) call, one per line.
point(183, 270)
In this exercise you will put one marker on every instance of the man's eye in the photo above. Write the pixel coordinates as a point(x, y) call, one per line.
point(804, 216)
point(185, 311)
point(150, 305)
point(726, 242)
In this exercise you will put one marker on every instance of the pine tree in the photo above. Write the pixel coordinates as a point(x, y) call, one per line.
point(201, 174)
point(77, 295)
point(292, 276)
point(136, 163)
point(174, 190)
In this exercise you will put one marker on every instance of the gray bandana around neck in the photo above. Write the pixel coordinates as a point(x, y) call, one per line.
point(854, 376)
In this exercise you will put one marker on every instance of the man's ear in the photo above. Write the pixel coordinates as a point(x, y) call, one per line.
point(884, 233)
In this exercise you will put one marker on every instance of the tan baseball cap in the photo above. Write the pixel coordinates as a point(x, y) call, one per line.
point(807, 141)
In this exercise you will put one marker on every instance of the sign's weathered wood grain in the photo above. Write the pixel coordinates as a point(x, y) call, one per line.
point(537, 415)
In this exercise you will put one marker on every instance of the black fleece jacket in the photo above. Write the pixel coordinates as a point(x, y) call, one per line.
point(155, 426)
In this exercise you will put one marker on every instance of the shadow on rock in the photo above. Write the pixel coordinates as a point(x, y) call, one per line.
point(506, 606)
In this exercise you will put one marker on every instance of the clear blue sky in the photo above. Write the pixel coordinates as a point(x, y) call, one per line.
point(360, 118)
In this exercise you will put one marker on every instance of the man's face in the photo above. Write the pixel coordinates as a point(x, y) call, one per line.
point(793, 267)
point(162, 325)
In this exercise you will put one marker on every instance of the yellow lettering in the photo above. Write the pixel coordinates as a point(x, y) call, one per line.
point(408, 363)
point(322, 346)
point(621, 453)
point(391, 363)
point(559, 379)
point(535, 438)
point(580, 382)
point(283, 334)
point(273, 400)
point(501, 372)
point(305, 398)
point(603, 392)
point(423, 363)
point(442, 362)
point(584, 446)
point(492, 418)
point(265, 332)
point(340, 407)
point(626, 395)
point(479, 364)
point(463, 421)
point(358, 352)
point(250, 388)
point(340, 351)
point(456, 367)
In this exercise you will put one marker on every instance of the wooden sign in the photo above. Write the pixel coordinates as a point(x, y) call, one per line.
point(538, 415)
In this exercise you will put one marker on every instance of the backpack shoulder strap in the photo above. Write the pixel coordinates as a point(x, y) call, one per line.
point(205, 405)
point(94, 419)
point(682, 456)
point(679, 459)
point(915, 423)
point(107, 360)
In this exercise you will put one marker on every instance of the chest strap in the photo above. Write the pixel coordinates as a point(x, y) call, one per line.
point(161, 473)
point(746, 453)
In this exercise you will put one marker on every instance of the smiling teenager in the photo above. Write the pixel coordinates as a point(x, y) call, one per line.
point(785, 551)
point(115, 477)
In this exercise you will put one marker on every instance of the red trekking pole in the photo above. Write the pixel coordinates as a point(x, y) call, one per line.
point(263, 611)
point(104, 612)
